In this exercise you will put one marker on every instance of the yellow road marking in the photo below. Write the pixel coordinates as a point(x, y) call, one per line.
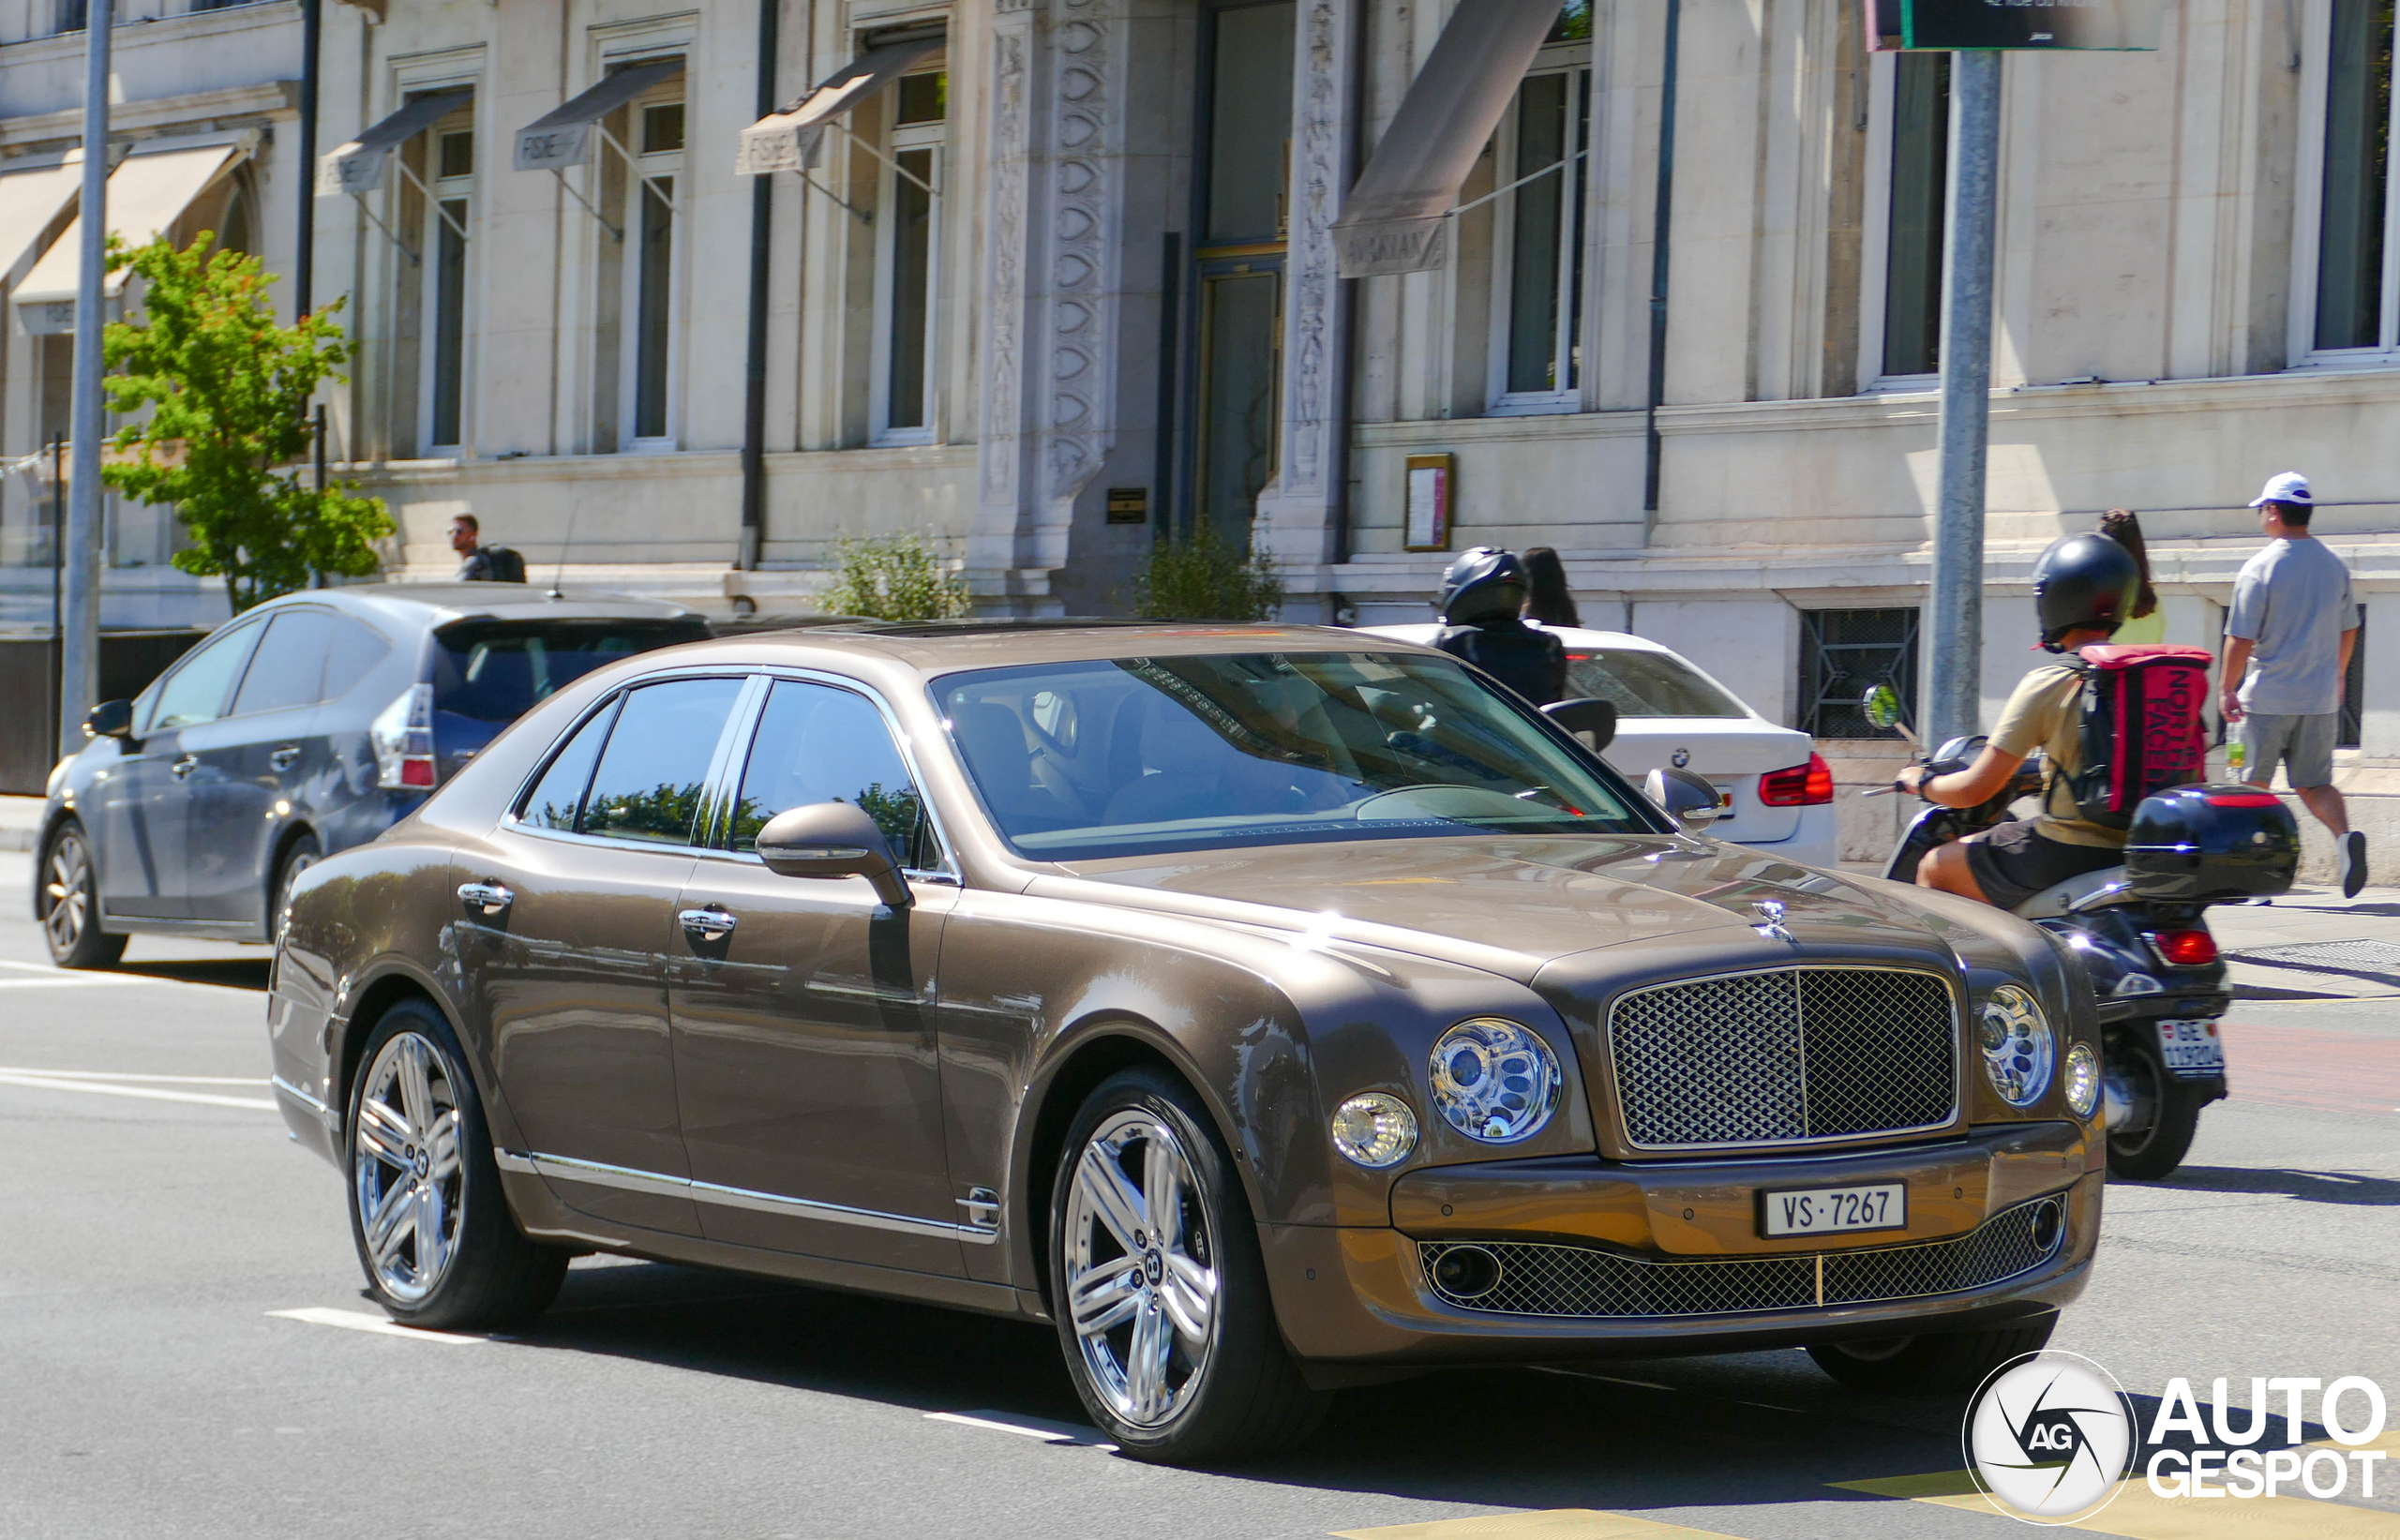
point(1555, 1524)
point(2140, 1514)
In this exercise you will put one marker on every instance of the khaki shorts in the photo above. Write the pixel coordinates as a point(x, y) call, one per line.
point(2303, 745)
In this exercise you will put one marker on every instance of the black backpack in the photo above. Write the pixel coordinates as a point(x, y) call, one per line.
point(506, 565)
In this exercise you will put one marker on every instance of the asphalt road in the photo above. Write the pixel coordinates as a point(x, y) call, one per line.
point(153, 1219)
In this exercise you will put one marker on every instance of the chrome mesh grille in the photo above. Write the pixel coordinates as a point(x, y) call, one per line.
point(1585, 1281)
point(1784, 1055)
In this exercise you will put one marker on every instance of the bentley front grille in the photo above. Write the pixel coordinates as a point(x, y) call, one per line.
point(1785, 1056)
point(1521, 1277)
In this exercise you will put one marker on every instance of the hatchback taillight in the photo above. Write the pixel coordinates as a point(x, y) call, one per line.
point(1802, 785)
point(2186, 949)
point(402, 736)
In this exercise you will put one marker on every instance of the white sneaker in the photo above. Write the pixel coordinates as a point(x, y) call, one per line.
point(2353, 864)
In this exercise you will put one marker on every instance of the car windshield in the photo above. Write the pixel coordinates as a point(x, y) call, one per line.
point(1140, 755)
point(1646, 684)
point(495, 671)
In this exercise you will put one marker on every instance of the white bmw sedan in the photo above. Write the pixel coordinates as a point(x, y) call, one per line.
point(1669, 712)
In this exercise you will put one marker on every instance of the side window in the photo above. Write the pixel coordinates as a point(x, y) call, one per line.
point(820, 744)
point(351, 654)
point(196, 690)
point(655, 767)
point(558, 796)
point(289, 664)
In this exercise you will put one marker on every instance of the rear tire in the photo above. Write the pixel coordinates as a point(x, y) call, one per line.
point(432, 1228)
point(1158, 1285)
point(2152, 1154)
point(1915, 1365)
point(68, 903)
point(300, 855)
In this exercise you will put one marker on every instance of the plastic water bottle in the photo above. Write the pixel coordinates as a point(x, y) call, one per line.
point(2235, 757)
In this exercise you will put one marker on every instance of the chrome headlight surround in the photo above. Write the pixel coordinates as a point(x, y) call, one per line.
point(2019, 1051)
point(2082, 1080)
point(1374, 1130)
point(1495, 1081)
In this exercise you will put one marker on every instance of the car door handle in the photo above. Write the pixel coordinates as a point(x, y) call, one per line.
point(285, 757)
point(486, 898)
point(184, 766)
point(711, 924)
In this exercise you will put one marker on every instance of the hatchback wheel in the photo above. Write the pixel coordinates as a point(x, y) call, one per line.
point(1909, 1365)
point(1159, 1289)
point(300, 855)
point(432, 1228)
point(69, 903)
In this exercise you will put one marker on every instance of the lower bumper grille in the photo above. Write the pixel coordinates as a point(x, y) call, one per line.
point(1520, 1278)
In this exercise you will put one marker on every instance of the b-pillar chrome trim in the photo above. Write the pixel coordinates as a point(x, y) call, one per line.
point(563, 1168)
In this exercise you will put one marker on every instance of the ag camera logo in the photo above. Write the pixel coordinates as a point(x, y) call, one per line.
point(2050, 1436)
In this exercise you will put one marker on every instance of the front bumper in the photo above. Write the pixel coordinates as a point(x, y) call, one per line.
point(1664, 1258)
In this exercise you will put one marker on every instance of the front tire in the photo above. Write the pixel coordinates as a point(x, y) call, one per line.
point(1915, 1365)
point(69, 903)
point(432, 1228)
point(2165, 1115)
point(1158, 1285)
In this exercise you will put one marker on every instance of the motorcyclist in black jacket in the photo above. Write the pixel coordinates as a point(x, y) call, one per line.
point(1482, 605)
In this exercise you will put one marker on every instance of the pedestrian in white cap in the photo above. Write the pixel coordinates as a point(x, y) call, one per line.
point(2287, 643)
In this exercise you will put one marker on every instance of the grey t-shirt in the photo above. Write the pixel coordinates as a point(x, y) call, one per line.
point(2292, 601)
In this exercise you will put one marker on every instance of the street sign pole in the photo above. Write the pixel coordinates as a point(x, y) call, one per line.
point(1954, 633)
point(79, 671)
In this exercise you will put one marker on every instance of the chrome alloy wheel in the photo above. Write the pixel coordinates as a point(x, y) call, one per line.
point(67, 891)
point(404, 1157)
point(1142, 1284)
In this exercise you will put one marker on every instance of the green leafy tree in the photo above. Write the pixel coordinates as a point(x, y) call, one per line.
point(1205, 578)
point(893, 577)
point(228, 392)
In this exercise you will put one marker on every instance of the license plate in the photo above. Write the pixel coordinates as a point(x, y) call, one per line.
point(2192, 1048)
point(1834, 1210)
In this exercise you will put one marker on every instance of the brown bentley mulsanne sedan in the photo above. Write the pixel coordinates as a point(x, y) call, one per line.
point(1273, 1009)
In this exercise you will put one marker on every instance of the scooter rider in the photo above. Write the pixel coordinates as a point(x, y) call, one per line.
point(1482, 605)
point(2084, 587)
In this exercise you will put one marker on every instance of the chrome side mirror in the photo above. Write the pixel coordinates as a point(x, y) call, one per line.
point(1597, 717)
point(1687, 799)
point(832, 840)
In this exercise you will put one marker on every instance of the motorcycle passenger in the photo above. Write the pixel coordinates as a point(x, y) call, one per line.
point(2084, 587)
point(1483, 605)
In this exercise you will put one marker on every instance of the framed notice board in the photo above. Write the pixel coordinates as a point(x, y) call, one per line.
point(1430, 490)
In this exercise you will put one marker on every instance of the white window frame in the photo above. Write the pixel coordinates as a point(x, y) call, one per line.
point(899, 141)
point(1875, 256)
point(1574, 61)
point(442, 189)
point(641, 167)
point(2308, 212)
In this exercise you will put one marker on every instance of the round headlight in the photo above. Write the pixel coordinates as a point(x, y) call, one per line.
point(1374, 1130)
point(1495, 1081)
point(2082, 1079)
point(2018, 1051)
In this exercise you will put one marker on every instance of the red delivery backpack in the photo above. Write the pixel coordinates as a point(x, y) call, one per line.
point(2142, 732)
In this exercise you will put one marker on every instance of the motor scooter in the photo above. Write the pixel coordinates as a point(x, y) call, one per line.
point(2141, 935)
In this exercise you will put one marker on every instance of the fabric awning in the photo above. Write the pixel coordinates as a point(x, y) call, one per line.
point(794, 137)
point(562, 136)
point(1391, 222)
point(29, 202)
point(359, 166)
point(147, 194)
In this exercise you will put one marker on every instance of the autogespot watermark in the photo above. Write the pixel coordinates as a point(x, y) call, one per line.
point(2052, 1437)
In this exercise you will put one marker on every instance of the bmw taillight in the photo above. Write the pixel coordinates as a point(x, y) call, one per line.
point(402, 736)
point(2186, 949)
point(1802, 785)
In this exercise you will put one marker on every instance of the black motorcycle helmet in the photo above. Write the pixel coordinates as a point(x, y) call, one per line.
point(1484, 584)
point(2081, 581)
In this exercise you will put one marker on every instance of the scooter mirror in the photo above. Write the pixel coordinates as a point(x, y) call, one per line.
point(1882, 707)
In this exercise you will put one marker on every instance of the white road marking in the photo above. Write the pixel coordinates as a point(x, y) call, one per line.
point(359, 1320)
point(70, 981)
point(44, 1082)
point(112, 1075)
point(1027, 1428)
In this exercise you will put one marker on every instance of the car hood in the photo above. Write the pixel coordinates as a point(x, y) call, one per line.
point(1512, 905)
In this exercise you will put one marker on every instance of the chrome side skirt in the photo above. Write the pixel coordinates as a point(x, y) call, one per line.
point(562, 1167)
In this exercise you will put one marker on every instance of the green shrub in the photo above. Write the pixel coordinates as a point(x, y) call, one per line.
point(1205, 578)
point(893, 577)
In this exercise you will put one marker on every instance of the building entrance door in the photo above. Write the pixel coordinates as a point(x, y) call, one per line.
point(1242, 358)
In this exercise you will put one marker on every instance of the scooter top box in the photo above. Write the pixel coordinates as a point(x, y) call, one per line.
point(2207, 845)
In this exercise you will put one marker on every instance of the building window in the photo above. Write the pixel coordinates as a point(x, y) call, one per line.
point(1536, 352)
point(445, 272)
point(70, 14)
point(1918, 183)
point(906, 242)
point(1844, 655)
point(649, 273)
point(2354, 270)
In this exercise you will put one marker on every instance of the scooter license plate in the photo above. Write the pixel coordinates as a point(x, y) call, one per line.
point(1833, 1210)
point(2191, 1048)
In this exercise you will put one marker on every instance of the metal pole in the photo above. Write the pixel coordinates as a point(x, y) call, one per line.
point(303, 255)
point(1956, 624)
point(57, 570)
point(1661, 227)
point(78, 669)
